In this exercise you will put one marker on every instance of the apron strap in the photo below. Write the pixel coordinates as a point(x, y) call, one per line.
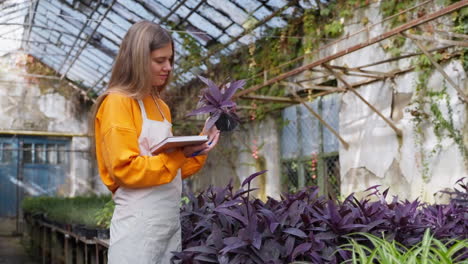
point(142, 108)
point(160, 111)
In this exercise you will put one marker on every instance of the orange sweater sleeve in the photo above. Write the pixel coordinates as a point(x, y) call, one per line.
point(193, 165)
point(118, 124)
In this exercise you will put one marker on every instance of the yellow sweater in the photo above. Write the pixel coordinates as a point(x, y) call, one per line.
point(117, 128)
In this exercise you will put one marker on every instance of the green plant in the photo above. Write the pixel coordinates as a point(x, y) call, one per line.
point(429, 250)
point(334, 29)
point(76, 210)
point(391, 7)
point(103, 216)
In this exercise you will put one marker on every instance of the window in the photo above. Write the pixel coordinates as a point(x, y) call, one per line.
point(6, 153)
point(45, 153)
point(40, 154)
point(28, 150)
point(309, 149)
point(52, 154)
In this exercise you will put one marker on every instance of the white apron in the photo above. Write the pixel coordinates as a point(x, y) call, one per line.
point(145, 226)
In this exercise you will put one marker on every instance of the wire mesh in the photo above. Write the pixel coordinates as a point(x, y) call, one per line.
point(289, 170)
point(309, 149)
point(332, 176)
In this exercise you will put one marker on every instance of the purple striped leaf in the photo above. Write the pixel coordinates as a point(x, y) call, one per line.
point(233, 87)
point(251, 177)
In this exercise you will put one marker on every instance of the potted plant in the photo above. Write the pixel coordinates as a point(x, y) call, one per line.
point(217, 101)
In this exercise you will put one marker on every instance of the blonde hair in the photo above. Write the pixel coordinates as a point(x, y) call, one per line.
point(131, 71)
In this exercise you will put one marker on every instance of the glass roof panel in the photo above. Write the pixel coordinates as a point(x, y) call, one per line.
point(61, 29)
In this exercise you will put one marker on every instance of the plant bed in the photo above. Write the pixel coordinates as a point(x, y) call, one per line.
point(221, 225)
point(78, 214)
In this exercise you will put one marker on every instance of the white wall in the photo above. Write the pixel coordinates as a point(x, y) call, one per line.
point(376, 155)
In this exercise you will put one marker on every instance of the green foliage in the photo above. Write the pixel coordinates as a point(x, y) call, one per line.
point(394, 46)
point(391, 7)
point(103, 217)
point(428, 251)
point(334, 29)
point(427, 111)
point(464, 59)
point(460, 20)
point(325, 11)
point(76, 210)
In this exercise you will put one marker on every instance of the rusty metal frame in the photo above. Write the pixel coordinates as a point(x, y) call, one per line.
point(388, 34)
point(351, 89)
point(439, 68)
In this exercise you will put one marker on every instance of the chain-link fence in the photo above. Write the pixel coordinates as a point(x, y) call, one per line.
point(309, 149)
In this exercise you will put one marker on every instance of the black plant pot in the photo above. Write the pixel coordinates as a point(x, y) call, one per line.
point(226, 122)
point(84, 231)
point(103, 233)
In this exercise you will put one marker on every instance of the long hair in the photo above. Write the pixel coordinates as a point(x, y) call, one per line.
point(131, 71)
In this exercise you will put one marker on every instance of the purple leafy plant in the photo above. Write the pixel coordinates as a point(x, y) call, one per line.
point(221, 225)
point(219, 104)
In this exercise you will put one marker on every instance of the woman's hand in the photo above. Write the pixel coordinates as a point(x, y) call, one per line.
point(202, 149)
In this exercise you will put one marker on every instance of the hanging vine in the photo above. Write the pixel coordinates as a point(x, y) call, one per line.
point(427, 111)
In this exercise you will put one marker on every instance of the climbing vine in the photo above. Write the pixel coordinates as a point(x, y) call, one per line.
point(427, 111)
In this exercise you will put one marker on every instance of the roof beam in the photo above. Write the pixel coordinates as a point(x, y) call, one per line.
point(320, 119)
point(164, 19)
point(190, 13)
point(4, 14)
point(277, 99)
point(37, 26)
point(439, 40)
point(247, 31)
point(88, 40)
point(88, 21)
point(388, 34)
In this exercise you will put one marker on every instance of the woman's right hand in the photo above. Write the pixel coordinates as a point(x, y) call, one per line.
point(202, 149)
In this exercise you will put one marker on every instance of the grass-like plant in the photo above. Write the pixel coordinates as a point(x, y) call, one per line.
point(429, 251)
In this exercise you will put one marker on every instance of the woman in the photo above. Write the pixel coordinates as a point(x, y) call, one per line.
point(129, 119)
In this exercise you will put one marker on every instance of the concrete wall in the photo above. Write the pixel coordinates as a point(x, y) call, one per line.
point(46, 105)
point(417, 164)
point(232, 159)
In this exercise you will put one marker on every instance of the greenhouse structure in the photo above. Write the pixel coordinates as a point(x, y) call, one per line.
point(337, 131)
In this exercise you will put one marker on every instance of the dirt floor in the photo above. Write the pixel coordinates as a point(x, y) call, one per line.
point(11, 249)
